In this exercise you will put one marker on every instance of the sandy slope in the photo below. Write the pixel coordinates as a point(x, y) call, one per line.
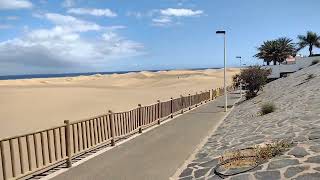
point(31, 104)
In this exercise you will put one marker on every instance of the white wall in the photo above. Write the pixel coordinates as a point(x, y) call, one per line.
point(301, 62)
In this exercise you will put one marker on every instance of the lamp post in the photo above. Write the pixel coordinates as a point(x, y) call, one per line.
point(225, 62)
point(239, 57)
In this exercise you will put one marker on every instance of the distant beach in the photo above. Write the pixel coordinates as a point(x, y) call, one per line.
point(37, 103)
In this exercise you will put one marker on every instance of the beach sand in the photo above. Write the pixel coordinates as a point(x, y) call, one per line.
point(32, 104)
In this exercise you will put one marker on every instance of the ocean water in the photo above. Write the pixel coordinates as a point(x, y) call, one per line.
point(30, 76)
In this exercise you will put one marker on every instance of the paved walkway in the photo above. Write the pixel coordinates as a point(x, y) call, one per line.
point(156, 154)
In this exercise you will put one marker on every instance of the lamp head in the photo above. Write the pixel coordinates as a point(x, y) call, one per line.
point(220, 32)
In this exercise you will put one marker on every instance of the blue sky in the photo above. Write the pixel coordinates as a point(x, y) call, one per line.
point(46, 36)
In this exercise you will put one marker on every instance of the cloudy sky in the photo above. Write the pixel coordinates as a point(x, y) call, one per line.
point(52, 36)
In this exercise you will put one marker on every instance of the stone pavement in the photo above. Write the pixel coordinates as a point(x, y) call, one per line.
point(297, 118)
point(156, 154)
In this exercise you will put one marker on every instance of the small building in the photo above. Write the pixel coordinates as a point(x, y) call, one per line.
point(291, 65)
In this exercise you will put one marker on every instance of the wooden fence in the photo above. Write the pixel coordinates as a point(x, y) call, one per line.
point(24, 155)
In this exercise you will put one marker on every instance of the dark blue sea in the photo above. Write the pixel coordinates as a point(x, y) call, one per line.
point(29, 76)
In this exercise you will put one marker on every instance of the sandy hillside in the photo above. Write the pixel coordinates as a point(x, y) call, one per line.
point(31, 104)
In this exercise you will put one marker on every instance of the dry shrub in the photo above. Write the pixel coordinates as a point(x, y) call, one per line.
point(314, 62)
point(267, 108)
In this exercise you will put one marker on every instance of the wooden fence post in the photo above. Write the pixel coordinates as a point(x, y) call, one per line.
point(140, 118)
point(181, 97)
point(171, 107)
point(68, 142)
point(196, 99)
point(113, 142)
point(190, 101)
point(3, 161)
point(159, 112)
point(201, 94)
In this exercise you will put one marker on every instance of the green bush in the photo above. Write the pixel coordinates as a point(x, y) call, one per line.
point(267, 108)
point(314, 62)
point(253, 78)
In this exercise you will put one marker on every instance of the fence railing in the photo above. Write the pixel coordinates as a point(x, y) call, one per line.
point(24, 155)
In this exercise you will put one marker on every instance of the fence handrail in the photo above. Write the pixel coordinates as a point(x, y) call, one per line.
point(36, 151)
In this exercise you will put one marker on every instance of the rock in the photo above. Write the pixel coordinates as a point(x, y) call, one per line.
point(201, 172)
point(211, 163)
point(186, 172)
point(314, 159)
point(309, 176)
point(298, 152)
point(292, 171)
point(282, 163)
point(241, 177)
point(315, 148)
point(267, 175)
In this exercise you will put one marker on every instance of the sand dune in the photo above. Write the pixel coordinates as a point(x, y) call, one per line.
point(31, 104)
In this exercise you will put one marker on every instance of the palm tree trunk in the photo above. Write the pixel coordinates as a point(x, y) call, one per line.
point(274, 62)
point(310, 49)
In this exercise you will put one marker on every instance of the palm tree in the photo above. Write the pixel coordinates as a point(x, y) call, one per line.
point(312, 39)
point(276, 50)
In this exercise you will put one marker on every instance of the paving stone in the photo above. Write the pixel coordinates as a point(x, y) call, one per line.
point(211, 163)
point(317, 168)
point(215, 177)
point(314, 159)
point(282, 163)
point(267, 175)
point(298, 152)
point(186, 178)
point(186, 172)
point(252, 138)
point(200, 172)
point(309, 176)
point(292, 171)
point(313, 136)
point(241, 177)
point(315, 148)
point(192, 164)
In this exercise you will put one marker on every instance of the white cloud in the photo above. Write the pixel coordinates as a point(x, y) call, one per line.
point(167, 17)
point(180, 12)
point(93, 12)
point(12, 17)
point(5, 26)
point(71, 23)
point(68, 3)
point(15, 4)
point(161, 21)
point(65, 46)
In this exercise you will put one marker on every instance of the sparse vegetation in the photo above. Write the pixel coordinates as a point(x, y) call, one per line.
point(269, 151)
point(253, 78)
point(276, 51)
point(249, 158)
point(314, 62)
point(236, 80)
point(310, 76)
point(311, 40)
point(267, 108)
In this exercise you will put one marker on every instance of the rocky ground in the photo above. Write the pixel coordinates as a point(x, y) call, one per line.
point(296, 118)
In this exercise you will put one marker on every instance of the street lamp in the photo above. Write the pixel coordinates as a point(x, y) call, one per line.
point(225, 62)
point(239, 57)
